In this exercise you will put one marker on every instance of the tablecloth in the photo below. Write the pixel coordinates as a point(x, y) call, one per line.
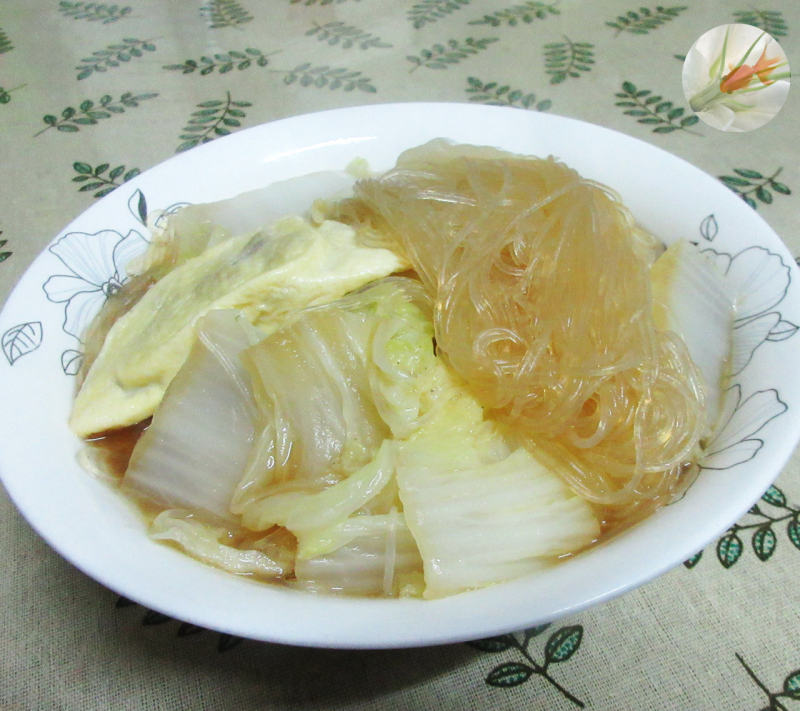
point(93, 93)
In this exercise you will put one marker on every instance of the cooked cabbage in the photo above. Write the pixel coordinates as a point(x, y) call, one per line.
point(211, 544)
point(192, 454)
point(379, 557)
point(378, 460)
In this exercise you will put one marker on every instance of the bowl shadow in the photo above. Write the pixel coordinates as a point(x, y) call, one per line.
point(291, 677)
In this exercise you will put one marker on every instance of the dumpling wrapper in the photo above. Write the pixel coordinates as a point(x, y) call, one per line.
point(269, 275)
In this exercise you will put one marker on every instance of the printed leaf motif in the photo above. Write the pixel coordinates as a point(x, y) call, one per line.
point(440, 56)
point(90, 112)
point(654, 110)
point(527, 12)
point(222, 62)
point(694, 560)
point(729, 549)
point(114, 55)
point(748, 183)
point(71, 361)
point(93, 11)
point(5, 94)
point(774, 496)
point(771, 21)
point(764, 542)
point(641, 22)
point(509, 674)
point(137, 205)
point(100, 178)
point(793, 531)
point(563, 644)
point(212, 119)
point(709, 228)
point(345, 36)
point(4, 255)
point(5, 42)
point(495, 94)
point(567, 59)
point(331, 77)
point(791, 685)
point(782, 330)
point(20, 340)
point(225, 642)
point(560, 646)
point(493, 644)
point(225, 13)
point(427, 11)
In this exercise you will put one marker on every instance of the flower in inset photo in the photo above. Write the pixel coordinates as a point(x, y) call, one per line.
point(736, 77)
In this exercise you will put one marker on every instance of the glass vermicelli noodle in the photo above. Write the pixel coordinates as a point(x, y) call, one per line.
point(540, 280)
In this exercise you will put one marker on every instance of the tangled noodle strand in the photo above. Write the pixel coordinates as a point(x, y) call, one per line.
point(542, 303)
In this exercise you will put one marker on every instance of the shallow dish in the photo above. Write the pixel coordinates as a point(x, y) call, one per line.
point(92, 526)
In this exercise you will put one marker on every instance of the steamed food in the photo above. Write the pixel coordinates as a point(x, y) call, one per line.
point(268, 275)
point(456, 374)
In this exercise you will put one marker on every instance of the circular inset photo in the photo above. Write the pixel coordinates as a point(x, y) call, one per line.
point(736, 77)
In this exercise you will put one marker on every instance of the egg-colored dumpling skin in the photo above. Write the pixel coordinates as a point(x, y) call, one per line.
point(269, 275)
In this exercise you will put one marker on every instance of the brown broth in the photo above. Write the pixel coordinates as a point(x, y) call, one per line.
point(113, 448)
point(113, 451)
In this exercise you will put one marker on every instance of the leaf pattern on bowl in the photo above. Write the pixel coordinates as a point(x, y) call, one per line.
point(96, 265)
point(71, 361)
point(22, 339)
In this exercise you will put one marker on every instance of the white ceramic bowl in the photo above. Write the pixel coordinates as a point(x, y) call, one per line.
point(97, 530)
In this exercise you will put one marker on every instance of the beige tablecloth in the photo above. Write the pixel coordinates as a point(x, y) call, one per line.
point(92, 93)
